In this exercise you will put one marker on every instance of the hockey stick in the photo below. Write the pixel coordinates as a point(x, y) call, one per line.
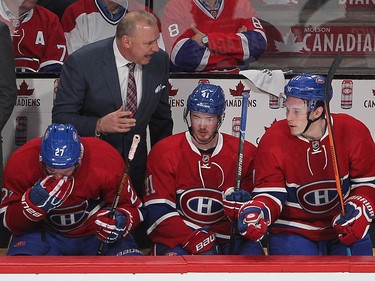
point(124, 180)
point(245, 100)
point(327, 88)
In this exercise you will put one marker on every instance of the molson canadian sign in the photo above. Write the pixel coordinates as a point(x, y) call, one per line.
point(349, 40)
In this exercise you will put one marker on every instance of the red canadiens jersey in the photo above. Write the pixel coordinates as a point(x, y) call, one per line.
point(294, 177)
point(85, 22)
point(227, 48)
point(184, 186)
point(95, 185)
point(38, 40)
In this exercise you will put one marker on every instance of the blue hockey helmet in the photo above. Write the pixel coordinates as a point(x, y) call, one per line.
point(308, 87)
point(207, 98)
point(61, 146)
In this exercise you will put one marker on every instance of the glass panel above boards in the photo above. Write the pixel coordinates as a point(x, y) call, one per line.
point(302, 35)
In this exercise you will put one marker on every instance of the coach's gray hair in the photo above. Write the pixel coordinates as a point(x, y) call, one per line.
point(128, 23)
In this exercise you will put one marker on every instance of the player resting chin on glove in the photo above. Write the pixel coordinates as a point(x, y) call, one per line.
point(57, 191)
point(45, 196)
point(354, 225)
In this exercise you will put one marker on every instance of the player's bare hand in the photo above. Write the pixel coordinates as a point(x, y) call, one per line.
point(119, 121)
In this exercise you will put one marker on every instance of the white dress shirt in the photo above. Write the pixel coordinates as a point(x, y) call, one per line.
point(123, 73)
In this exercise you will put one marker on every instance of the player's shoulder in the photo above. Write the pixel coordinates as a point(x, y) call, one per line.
point(231, 143)
point(347, 123)
point(277, 131)
point(234, 139)
point(343, 118)
point(99, 149)
point(28, 150)
point(171, 141)
point(78, 8)
point(45, 14)
point(277, 127)
point(81, 6)
point(96, 143)
point(168, 148)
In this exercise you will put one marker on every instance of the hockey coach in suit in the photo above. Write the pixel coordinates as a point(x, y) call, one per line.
point(93, 89)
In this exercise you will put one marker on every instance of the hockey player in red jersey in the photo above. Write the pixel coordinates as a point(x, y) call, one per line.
point(38, 38)
point(295, 195)
point(57, 193)
point(187, 175)
point(207, 35)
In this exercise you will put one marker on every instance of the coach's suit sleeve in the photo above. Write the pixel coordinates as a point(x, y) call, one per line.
point(161, 123)
point(88, 88)
point(8, 88)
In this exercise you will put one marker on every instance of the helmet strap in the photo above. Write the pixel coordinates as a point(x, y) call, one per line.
point(309, 121)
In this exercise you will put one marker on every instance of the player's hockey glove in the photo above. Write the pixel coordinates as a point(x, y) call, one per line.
point(201, 242)
point(110, 230)
point(233, 200)
point(253, 220)
point(46, 195)
point(354, 225)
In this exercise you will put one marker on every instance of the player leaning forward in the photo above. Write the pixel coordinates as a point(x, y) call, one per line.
point(296, 198)
point(187, 174)
point(58, 190)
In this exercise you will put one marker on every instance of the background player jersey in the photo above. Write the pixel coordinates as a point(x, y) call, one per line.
point(294, 177)
point(38, 40)
point(94, 188)
point(184, 186)
point(227, 48)
point(88, 21)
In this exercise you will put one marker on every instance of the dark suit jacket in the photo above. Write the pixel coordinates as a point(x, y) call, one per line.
point(89, 89)
point(8, 88)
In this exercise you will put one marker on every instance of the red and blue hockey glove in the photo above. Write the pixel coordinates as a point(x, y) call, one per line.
point(46, 195)
point(201, 242)
point(253, 220)
point(233, 200)
point(110, 230)
point(354, 225)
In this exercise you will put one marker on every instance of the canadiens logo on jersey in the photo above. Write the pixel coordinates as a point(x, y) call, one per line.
point(318, 197)
point(201, 205)
point(71, 218)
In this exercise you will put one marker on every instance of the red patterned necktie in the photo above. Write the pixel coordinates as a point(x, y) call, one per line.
point(131, 94)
